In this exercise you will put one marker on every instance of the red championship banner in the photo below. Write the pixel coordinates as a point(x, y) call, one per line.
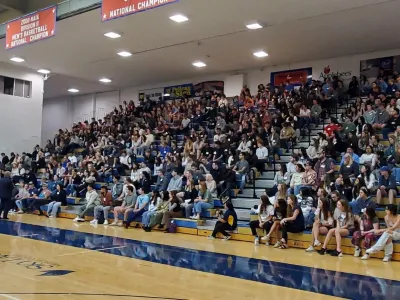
point(31, 28)
point(112, 9)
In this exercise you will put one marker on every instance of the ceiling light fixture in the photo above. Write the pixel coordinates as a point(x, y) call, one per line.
point(105, 80)
point(199, 64)
point(260, 54)
point(17, 59)
point(254, 26)
point(43, 71)
point(73, 91)
point(167, 95)
point(112, 35)
point(179, 18)
point(124, 54)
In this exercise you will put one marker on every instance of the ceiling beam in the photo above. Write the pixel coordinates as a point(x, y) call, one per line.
point(16, 5)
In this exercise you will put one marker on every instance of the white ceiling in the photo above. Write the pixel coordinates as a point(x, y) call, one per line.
point(163, 50)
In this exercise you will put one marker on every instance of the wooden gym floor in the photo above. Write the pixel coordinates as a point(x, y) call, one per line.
point(44, 258)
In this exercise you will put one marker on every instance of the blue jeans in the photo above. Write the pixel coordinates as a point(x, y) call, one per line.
point(134, 215)
point(18, 203)
point(396, 172)
point(242, 179)
point(200, 206)
point(309, 220)
point(146, 217)
point(295, 190)
point(53, 208)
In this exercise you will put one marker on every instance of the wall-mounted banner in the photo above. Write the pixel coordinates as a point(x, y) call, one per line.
point(31, 28)
point(178, 91)
point(295, 77)
point(112, 9)
point(371, 68)
point(153, 94)
point(209, 86)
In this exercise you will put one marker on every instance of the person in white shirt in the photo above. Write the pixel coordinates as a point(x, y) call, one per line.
point(123, 159)
point(305, 117)
point(244, 144)
point(368, 158)
point(262, 155)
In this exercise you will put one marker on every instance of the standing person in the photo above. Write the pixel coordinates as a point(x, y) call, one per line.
point(265, 213)
point(6, 189)
point(227, 222)
point(59, 198)
point(105, 206)
point(242, 167)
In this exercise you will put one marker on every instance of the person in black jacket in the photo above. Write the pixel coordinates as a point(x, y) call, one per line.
point(6, 189)
point(59, 198)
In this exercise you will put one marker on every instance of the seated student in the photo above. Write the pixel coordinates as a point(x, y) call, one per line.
point(323, 222)
point(344, 227)
point(92, 200)
point(174, 211)
point(295, 181)
point(265, 213)
point(280, 211)
point(386, 185)
point(155, 201)
point(105, 206)
point(159, 214)
point(58, 199)
point(362, 202)
point(175, 183)
point(127, 205)
point(22, 195)
point(187, 197)
point(369, 157)
point(307, 206)
point(116, 188)
point(389, 234)
point(141, 205)
point(203, 202)
point(228, 221)
point(369, 224)
point(294, 221)
point(41, 199)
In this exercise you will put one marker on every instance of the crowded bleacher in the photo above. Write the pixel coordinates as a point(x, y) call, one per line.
point(334, 156)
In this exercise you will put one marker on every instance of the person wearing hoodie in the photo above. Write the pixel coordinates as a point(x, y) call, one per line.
point(363, 201)
point(92, 200)
point(307, 205)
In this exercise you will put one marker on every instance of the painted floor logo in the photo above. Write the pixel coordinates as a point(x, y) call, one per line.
point(46, 268)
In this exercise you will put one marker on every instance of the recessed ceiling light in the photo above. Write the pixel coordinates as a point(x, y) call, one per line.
point(112, 35)
point(73, 91)
point(179, 18)
point(254, 26)
point(167, 95)
point(199, 64)
point(260, 54)
point(44, 71)
point(105, 80)
point(17, 59)
point(124, 54)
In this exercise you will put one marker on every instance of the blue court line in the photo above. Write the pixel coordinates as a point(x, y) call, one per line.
point(332, 283)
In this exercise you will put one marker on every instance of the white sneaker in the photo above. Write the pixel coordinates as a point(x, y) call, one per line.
point(317, 243)
point(265, 238)
point(20, 212)
point(310, 249)
point(76, 219)
point(277, 244)
point(51, 216)
point(387, 258)
point(357, 252)
point(120, 224)
point(210, 237)
point(94, 222)
point(114, 224)
point(370, 251)
point(105, 222)
point(256, 241)
point(365, 257)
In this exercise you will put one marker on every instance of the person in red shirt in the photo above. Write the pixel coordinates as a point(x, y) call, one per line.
point(331, 128)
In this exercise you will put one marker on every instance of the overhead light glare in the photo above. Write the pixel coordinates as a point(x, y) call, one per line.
point(105, 80)
point(17, 59)
point(167, 95)
point(179, 18)
point(199, 64)
point(260, 54)
point(44, 71)
point(254, 26)
point(112, 35)
point(73, 91)
point(124, 54)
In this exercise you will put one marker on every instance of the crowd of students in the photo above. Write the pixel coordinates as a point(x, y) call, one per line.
point(196, 149)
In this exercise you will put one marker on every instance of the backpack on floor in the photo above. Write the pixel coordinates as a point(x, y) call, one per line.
point(100, 218)
point(172, 227)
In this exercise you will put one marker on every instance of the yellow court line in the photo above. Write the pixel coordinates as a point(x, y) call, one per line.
point(348, 264)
